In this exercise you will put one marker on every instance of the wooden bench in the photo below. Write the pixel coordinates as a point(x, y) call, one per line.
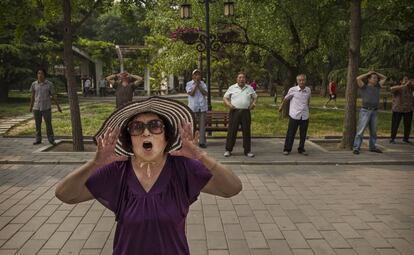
point(217, 121)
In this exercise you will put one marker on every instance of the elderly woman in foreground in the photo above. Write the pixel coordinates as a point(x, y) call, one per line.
point(148, 170)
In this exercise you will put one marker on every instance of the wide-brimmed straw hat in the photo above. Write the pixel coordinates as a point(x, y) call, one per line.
point(172, 110)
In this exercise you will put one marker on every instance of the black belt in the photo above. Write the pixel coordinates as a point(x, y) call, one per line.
point(370, 108)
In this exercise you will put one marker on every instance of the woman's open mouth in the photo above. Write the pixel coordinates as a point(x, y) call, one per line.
point(147, 146)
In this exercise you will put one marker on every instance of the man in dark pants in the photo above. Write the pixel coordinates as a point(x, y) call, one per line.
point(299, 97)
point(402, 107)
point(240, 98)
point(40, 104)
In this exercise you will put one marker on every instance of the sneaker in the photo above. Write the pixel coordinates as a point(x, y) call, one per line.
point(324, 107)
point(53, 143)
point(227, 154)
point(407, 141)
point(250, 155)
point(202, 145)
point(376, 150)
point(285, 153)
point(392, 141)
point(336, 108)
point(303, 152)
point(356, 152)
point(37, 142)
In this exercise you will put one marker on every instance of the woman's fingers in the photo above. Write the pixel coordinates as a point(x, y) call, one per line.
point(196, 137)
point(115, 135)
point(99, 142)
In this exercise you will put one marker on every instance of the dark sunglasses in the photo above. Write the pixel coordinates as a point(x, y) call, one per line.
point(155, 127)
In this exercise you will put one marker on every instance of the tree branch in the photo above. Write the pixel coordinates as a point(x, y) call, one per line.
point(87, 15)
point(292, 28)
point(246, 41)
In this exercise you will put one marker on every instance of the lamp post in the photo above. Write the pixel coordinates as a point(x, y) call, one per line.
point(185, 13)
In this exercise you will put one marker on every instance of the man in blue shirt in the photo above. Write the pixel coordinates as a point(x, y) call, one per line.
point(197, 101)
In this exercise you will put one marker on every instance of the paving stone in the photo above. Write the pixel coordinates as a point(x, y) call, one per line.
point(308, 231)
point(229, 217)
point(321, 247)
point(218, 252)
point(375, 239)
point(45, 231)
point(263, 216)
point(402, 246)
point(345, 252)
point(17, 241)
point(198, 247)
point(31, 247)
point(225, 205)
point(284, 223)
point(196, 232)
point(271, 231)
point(243, 210)
point(335, 240)
point(249, 224)
point(216, 240)
point(213, 224)
point(82, 231)
point(9, 230)
point(320, 223)
point(295, 239)
point(280, 247)
point(346, 230)
point(303, 252)
point(69, 224)
point(255, 240)
point(34, 224)
point(105, 224)
point(96, 240)
point(57, 240)
point(362, 247)
point(237, 247)
point(388, 252)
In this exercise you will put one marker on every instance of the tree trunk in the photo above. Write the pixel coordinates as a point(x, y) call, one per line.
point(353, 65)
point(71, 83)
point(270, 86)
point(291, 76)
point(4, 92)
point(324, 84)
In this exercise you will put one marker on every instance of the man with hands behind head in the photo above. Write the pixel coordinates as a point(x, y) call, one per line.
point(369, 85)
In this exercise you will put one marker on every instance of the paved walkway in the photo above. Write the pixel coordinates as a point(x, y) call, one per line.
point(330, 202)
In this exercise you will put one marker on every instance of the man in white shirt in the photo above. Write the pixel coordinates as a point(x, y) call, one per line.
point(240, 98)
point(87, 86)
point(197, 101)
point(299, 97)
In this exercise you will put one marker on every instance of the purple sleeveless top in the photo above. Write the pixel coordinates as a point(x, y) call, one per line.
point(154, 222)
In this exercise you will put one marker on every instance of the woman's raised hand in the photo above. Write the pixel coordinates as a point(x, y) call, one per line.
point(189, 147)
point(105, 152)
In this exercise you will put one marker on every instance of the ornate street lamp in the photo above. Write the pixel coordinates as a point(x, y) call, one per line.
point(185, 11)
point(210, 41)
point(228, 8)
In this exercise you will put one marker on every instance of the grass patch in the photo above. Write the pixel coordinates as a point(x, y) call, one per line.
point(19, 103)
point(265, 119)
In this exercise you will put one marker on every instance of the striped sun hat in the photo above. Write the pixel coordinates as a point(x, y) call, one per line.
point(172, 110)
